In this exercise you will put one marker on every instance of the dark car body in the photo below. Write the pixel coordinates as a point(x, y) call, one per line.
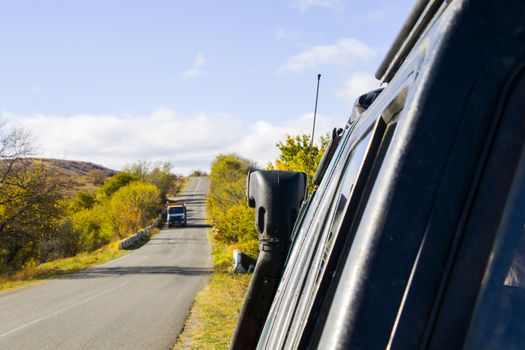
point(176, 215)
point(415, 236)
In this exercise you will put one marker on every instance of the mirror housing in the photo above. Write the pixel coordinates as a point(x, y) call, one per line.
point(276, 197)
point(362, 103)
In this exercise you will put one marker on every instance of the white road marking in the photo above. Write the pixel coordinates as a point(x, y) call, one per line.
point(64, 309)
point(198, 183)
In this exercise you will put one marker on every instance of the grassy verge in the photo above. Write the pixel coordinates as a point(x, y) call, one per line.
point(37, 273)
point(213, 316)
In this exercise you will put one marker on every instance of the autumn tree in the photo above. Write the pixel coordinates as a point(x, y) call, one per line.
point(228, 182)
point(30, 195)
point(158, 174)
point(133, 206)
point(198, 172)
point(29, 211)
point(83, 200)
point(234, 221)
point(114, 183)
point(98, 176)
point(138, 170)
point(295, 154)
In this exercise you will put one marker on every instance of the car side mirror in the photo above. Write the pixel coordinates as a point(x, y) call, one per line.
point(276, 197)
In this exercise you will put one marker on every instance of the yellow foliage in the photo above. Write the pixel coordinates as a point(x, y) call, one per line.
point(132, 206)
point(236, 224)
point(126, 211)
point(227, 183)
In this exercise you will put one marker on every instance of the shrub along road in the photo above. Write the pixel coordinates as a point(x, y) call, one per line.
point(138, 301)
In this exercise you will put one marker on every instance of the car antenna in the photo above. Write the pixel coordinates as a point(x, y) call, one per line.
point(313, 133)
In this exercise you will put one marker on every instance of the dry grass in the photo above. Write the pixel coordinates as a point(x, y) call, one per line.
point(214, 314)
point(36, 273)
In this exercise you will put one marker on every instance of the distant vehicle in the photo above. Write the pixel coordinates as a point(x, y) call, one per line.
point(414, 237)
point(176, 214)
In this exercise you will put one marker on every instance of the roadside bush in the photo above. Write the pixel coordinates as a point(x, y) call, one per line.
point(83, 200)
point(227, 183)
point(236, 224)
point(93, 228)
point(64, 241)
point(233, 220)
point(132, 206)
point(223, 254)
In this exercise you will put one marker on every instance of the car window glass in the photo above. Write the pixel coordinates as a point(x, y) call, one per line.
point(321, 249)
point(176, 210)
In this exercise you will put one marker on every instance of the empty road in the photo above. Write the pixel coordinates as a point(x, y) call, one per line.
point(138, 301)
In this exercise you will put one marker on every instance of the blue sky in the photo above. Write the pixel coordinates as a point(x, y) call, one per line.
point(118, 81)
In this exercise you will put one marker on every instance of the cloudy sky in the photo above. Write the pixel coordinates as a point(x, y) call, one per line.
point(116, 81)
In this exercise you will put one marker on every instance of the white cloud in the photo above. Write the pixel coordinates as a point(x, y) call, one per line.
point(196, 69)
point(357, 84)
point(188, 141)
point(260, 138)
point(344, 52)
point(304, 5)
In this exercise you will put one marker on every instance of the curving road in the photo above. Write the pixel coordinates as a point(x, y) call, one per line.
point(138, 301)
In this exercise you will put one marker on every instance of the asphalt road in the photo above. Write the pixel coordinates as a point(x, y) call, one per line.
point(138, 301)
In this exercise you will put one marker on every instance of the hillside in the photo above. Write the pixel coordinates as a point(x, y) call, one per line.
point(84, 176)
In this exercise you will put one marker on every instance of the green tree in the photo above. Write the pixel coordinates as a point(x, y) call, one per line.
point(83, 200)
point(139, 170)
point(198, 172)
point(227, 182)
point(114, 183)
point(158, 174)
point(295, 154)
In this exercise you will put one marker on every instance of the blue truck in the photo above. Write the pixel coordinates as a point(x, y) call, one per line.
point(176, 214)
